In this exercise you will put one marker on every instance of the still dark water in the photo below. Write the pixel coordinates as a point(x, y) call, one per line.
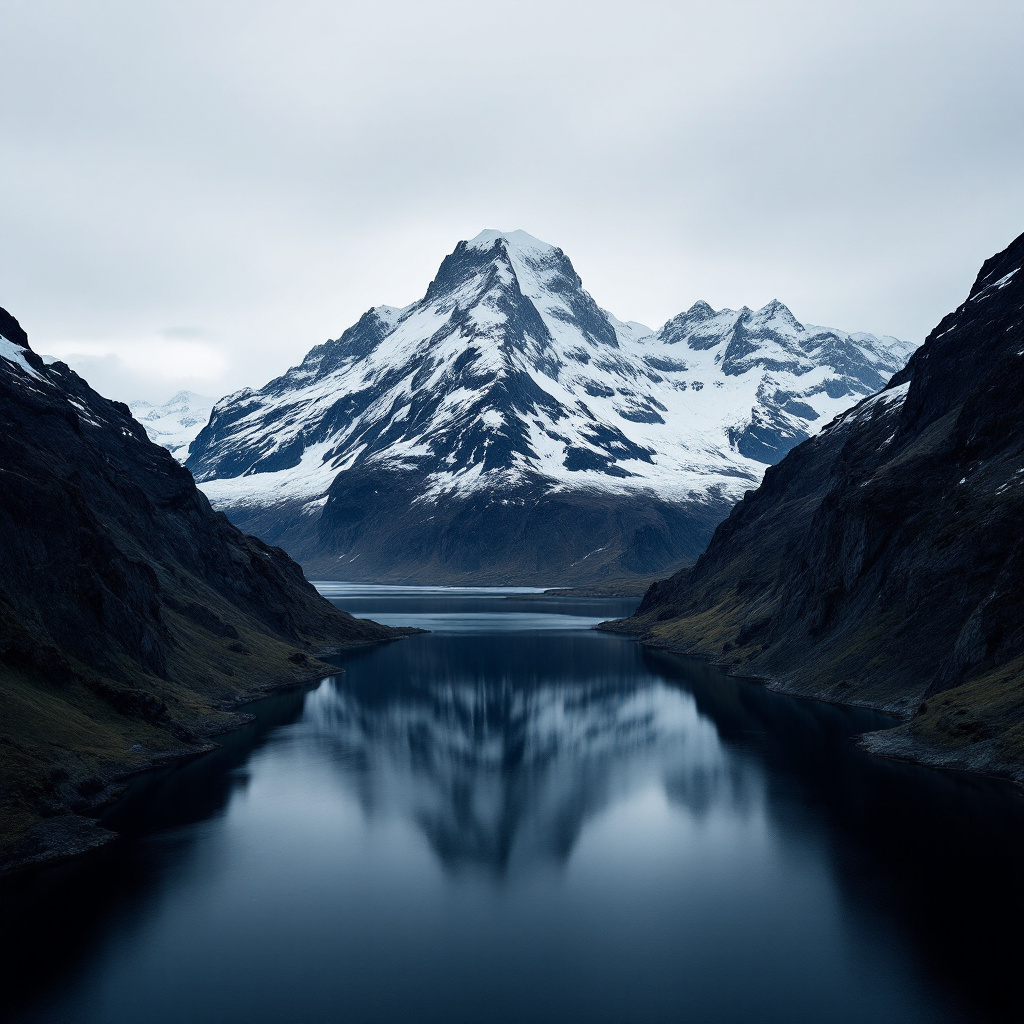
point(517, 819)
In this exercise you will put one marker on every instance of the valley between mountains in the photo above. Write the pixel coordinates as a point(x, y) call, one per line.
point(506, 430)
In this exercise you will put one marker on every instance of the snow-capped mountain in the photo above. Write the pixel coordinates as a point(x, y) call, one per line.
point(506, 428)
point(176, 423)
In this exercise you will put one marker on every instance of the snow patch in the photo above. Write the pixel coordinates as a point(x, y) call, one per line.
point(16, 354)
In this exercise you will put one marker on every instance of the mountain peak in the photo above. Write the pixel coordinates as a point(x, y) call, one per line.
point(517, 240)
point(775, 312)
point(13, 331)
point(514, 288)
point(506, 384)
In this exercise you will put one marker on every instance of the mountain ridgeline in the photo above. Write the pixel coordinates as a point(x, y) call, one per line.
point(505, 429)
point(131, 613)
point(882, 561)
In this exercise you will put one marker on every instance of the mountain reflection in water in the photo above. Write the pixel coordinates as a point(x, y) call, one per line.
point(501, 775)
point(514, 818)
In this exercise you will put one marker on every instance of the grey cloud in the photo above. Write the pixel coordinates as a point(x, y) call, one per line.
point(183, 332)
point(267, 171)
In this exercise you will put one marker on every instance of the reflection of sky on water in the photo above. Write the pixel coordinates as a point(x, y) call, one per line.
point(483, 610)
point(489, 622)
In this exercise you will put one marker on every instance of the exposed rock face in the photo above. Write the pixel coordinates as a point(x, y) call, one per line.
point(505, 429)
point(882, 561)
point(130, 611)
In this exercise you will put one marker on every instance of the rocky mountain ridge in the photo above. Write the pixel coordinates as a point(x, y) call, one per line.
point(507, 429)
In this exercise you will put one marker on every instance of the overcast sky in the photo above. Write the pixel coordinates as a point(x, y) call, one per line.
point(194, 194)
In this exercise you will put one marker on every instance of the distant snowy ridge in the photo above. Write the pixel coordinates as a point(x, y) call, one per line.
point(176, 422)
point(508, 381)
point(174, 425)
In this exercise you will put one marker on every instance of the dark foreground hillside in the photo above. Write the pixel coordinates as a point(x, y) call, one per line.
point(131, 614)
point(882, 562)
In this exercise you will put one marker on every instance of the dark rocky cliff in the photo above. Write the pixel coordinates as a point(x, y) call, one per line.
point(131, 614)
point(882, 562)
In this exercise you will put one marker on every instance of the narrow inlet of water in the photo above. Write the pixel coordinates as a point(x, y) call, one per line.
point(515, 818)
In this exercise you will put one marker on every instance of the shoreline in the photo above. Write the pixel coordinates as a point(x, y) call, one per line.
point(77, 832)
point(895, 743)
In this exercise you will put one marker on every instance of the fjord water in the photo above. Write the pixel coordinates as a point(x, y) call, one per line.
point(516, 818)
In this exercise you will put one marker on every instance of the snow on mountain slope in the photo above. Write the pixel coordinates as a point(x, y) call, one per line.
point(176, 423)
point(464, 386)
point(507, 379)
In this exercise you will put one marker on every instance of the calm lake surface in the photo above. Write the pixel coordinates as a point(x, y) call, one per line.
point(515, 818)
